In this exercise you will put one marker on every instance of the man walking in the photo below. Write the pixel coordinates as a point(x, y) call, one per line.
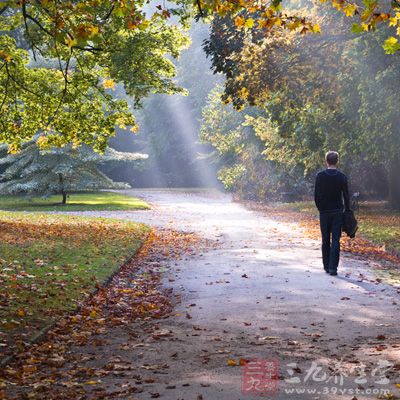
point(331, 189)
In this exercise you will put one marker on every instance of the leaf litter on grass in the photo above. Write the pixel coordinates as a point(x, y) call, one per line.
point(50, 369)
point(49, 264)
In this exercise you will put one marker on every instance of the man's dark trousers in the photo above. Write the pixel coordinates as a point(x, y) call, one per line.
point(331, 225)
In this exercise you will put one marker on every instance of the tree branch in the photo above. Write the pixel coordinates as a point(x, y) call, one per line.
point(20, 84)
point(33, 19)
point(3, 9)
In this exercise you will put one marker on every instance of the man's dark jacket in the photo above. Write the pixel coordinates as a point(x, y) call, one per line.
point(331, 191)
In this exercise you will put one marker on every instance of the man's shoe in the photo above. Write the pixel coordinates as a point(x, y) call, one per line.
point(333, 273)
point(327, 271)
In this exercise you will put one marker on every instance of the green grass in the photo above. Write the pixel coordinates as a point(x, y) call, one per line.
point(88, 201)
point(49, 263)
point(377, 222)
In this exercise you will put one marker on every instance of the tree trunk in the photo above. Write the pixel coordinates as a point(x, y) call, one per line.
point(63, 192)
point(394, 183)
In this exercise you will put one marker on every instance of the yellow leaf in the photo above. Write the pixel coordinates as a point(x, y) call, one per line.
point(249, 23)
point(365, 26)
point(21, 313)
point(232, 363)
point(13, 148)
point(71, 42)
point(42, 141)
point(391, 41)
point(393, 21)
point(337, 4)
point(350, 10)
point(91, 382)
point(294, 25)
point(316, 28)
point(93, 313)
point(109, 84)
point(5, 56)
point(134, 128)
point(397, 385)
point(94, 30)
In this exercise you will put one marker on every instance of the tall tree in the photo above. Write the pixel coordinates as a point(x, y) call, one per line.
point(315, 93)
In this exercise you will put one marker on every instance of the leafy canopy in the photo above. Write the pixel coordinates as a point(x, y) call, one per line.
point(60, 60)
point(60, 63)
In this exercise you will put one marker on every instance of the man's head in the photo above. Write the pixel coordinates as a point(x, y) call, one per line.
point(332, 158)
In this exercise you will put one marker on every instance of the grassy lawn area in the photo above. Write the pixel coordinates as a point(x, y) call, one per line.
point(87, 201)
point(49, 263)
point(377, 223)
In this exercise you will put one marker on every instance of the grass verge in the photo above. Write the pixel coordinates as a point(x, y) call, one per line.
point(87, 201)
point(51, 263)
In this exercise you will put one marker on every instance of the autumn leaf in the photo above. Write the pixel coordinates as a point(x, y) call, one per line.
point(71, 42)
point(109, 84)
point(249, 23)
point(5, 56)
point(350, 10)
point(134, 128)
point(391, 45)
point(316, 28)
point(239, 21)
point(21, 313)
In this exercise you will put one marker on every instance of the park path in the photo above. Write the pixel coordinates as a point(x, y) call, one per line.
point(259, 292)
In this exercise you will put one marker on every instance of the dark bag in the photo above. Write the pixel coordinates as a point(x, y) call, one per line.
point(350, 225)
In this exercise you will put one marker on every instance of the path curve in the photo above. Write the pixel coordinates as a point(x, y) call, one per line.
point(261, 293)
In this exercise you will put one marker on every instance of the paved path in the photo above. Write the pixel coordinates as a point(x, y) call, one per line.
point(261, 293)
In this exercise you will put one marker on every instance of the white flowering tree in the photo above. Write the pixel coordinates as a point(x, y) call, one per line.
point(37, 172)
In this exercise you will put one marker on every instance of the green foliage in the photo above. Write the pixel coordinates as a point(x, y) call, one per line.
point(314, 94)
point(63, 87)
point(231, 176)
point(94, 45)
point(239, 151)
